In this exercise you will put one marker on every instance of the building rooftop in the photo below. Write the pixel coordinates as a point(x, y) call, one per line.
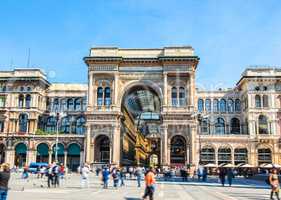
point(142, 53)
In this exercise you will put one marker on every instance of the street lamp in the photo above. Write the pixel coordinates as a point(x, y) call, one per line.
point(200, 118)
point(59, 117)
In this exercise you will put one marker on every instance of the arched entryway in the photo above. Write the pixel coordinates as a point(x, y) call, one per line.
point(102, 149)
point(73, 156)
point(178, 150)
point(2, 153)
point(20, 154)
point(42, 153)
point(60, 153)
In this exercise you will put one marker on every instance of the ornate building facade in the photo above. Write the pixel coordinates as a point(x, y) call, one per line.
point(140, 107)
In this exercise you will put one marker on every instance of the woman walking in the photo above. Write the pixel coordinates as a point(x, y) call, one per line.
point(4, 180)
point(274, 183)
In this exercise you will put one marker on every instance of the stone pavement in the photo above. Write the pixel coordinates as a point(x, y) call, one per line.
point(36, 189)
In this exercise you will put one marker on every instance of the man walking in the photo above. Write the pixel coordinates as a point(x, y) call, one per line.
point(138, 175)
point(4, 180)
point(149, 184)
point(85, 170)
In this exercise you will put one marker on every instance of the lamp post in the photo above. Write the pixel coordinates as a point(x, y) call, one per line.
point(200, 118)
point(59, 116)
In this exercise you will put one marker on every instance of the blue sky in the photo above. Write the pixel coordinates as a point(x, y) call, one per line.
point(227, 35)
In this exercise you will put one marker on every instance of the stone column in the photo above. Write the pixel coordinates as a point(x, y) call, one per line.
point(116, 145)
point(165, 89)
point(194, 157)
point(187, 154)
point(50, 157)
point(31, 156)
point(65, 159)
point(88, 144)
point(232, 156)
point(216, 156)
point(191, 89)
point(116, 80)
point(10, 156)
point(90, 91)
point(164, 145)
point(82, 160)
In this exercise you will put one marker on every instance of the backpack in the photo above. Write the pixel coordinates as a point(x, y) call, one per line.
point(267, 181)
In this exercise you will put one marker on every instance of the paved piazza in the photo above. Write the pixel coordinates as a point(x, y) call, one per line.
point(242, 190)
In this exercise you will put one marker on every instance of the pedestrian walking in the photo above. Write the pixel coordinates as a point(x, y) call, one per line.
point(115, 177)
point(50, 180)
point(56, 173)
point(85, 170)
point(138, 174)
point(205, 174)
point(4, 180)
point(222, 174)
point(274, 183)
point(105, 177)
point(149, 184)
point(230, 176)
point(122, 177)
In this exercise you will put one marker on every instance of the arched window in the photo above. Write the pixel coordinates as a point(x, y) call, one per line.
point(80, 126)
point(77, 104)
point(207, 155)
point(56, 105)
point(178, 150)
point(240, 156)
point(102, 149)
point(258, 101)
point(174, 97)
point(84, 103)
point(220, 126)
point(21, 100)
point(230, 105)
point(265, 101)
point(1, 126)
point(237, 105)
point(2, 102)
point(224, 155)
point(65, 125)
point(63, 105)
point(222, 105)
point(264, 156)
point(205, 126)
point(100, 96)
point(182, 99)
point(216, 105)
point(263, 126)
point(200, 105)
point(23, 123)
point(208, 105)
point(51, 124)
point(70, 104)
point(28, 101)
point(235, 126)
point(107, 96)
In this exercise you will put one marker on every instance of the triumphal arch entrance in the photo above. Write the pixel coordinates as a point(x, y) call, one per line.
point(141, 106)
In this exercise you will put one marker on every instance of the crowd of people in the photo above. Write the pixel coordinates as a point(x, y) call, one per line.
point(55, 172)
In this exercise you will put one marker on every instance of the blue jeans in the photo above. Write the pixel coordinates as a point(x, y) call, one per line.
point(139, 180)
point(3, 194)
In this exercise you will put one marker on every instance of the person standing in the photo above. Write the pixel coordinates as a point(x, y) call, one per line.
point(205, 174)
point(122, 177)
point(55, 172)
point(222, 176)
point(274, 183)
point(115, 177)
point(4, 181)
point(105, 177)
point(50, 179)
point(85, 170)
point(149, 184)
point(230, 176)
